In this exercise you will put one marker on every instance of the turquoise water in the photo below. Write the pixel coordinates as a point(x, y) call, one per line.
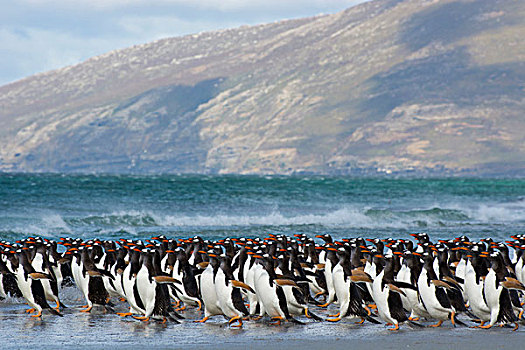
point(220, 206)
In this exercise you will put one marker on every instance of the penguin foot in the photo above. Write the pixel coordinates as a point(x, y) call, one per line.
point(124, 314)
point(39, 314)
point(181, 308)
point(324, 305)
point(360, 322)
point(122, 299)
point(256, 318)
point(437, 324)
point(485, 326)
point(31, 310)
point(368, 311)
point(306, 313)
point(452, 318)
point(482, 323)
point(516, 326)
point(87, 310)
point(520, 315)
point(141, 318)
point(278, 321)
point(200, 305)
point(396, 327)
point(413, 318)
point(372, 306)
point(336, 315)
point(334, 319)
point(233, 320)
point(203, 320)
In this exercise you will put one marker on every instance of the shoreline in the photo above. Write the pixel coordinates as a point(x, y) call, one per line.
point(103, 330)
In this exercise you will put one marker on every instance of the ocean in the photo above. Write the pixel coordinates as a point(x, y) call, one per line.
point(213, 207)
point(108, 206)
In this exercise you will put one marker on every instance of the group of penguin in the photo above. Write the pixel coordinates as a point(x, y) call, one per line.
point(280, 277)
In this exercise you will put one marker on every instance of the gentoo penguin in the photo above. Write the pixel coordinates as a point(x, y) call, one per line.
point(208, 289)
point(269, 291)
point(475, 271)
point(295, 297)
point(350, 302)
point(128, 277)
point(497, 284)
point(149, 283)
point(8, 284)
point(95, 292)
point(455, 293)
point(183, 271)
point(229, 294)
point(409, 273)
point(40, 262)
point(80, 277)
point(31, 287)
point(433, 294)
point(387, 295)
point(330, 260)
point(253, 275)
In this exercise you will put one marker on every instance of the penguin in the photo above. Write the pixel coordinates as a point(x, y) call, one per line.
point(350, 302)
point(8, 284)
point(270, 293)
point(29, 282)
point(149, 282)
point(433, 294)
point(254, 273)
point(330, 260)
point(128, 278)
point(475, 273)
point(40, 262)
point(183, 271)
point(208, 288)
point(228, 293)
point(496, 286)
point(295, 297)
point(409, 273)
point(455, 293)
point(80, 276)
point(95, 292)
point(387, 295)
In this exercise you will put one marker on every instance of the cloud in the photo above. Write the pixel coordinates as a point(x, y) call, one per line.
point(40, 35)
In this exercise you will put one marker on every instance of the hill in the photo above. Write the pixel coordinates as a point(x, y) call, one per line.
point(406, 86)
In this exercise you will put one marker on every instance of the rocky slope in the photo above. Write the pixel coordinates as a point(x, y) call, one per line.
point(387, 86)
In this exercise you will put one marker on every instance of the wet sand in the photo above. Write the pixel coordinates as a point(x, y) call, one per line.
point(104, 330)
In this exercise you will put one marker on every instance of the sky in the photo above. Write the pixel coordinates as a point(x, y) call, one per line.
point(41, 35)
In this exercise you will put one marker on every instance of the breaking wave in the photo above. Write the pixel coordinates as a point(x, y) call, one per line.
point(347, 216)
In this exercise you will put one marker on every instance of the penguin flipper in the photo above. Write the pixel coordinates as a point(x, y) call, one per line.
point(372, 320)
